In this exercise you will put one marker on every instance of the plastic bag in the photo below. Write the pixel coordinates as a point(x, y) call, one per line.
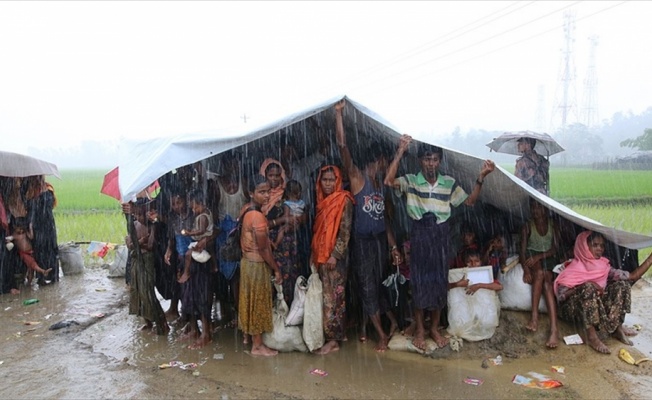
point(295, 316)
point(70, 257)
point(119, 265)
point(516, 294)
point(471, 317)
point(313, 321)
point(283, 338)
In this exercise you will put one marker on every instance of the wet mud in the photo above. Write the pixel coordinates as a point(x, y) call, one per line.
point(104, 355)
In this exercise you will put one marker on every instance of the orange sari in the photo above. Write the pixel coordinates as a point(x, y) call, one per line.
point(329, 215)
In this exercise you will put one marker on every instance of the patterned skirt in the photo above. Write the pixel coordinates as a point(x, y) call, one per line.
point(588, 307)
point(255, 300)
point(333, 286)
point(142, 296)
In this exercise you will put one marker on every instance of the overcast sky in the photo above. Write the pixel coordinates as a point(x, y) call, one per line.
point(103, 70)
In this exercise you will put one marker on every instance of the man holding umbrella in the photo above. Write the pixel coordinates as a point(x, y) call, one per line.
point(532, 167)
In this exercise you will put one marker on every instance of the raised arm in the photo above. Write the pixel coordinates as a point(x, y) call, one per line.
point(641, 269)
point(487, 168)
point(390, 176)
point(355, 175)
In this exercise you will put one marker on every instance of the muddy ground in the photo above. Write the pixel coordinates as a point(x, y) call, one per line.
point(103, 355)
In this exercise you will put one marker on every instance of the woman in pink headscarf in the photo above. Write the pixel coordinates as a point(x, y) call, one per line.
point(591, 291)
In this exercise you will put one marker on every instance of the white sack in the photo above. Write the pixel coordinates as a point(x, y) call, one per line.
point(295, 316)
point(313, 320)
point(283, 338)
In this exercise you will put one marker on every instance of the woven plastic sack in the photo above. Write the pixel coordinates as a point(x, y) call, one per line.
point(313, 321)
point(516, 294)
point(295, 316)
point(283, 338)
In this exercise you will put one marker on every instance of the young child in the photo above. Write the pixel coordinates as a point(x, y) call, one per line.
point(22, 237)
point(293, 206)
point(472, 259)
point(202, 228)
point(469, 242)
point(495, 254)
point(538, 256)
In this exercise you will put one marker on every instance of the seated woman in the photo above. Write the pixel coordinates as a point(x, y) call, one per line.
point(591, 291)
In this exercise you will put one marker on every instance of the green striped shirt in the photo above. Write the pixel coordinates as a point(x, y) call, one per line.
point(421, 197)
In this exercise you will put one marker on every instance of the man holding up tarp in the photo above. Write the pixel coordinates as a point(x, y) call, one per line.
point(429, 197)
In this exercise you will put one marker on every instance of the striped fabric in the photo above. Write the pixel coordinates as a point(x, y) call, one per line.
point(422, 198)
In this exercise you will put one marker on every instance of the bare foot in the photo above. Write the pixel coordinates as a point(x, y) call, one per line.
point(620, 334)
point(438, 338)
point(329, 347)
point(183, 278)
point(190, 335)
point(409, 331)
point(14, 291)
point(419, 340)
point(597, 345)
point(263, 350)
point(147, 326)
point(201, 342)
point(553, 340)
point(532, 326)
point(629, 331)
point(381, 347)
point(245, 339)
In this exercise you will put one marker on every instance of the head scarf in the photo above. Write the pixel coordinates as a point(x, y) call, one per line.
point(584, 267)
point(276, 194)
point(329, 215)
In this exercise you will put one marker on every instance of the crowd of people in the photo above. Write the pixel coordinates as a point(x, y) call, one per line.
point(28, 235)
point(335, 214)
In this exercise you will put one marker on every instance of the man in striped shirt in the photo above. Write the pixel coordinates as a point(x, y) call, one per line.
point(429, 198)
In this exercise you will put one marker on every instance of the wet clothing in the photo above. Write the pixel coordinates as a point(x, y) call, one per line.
point(196, 292)
point(369, 214)
point(297, 207)
point(604, 312)
point(533, 168)
point(255, 300)
point(286, 254)
point(228, 208)
point(429, 208)
point(142, 296)
point(538, 244)
point(44, 242)
point(422, 197)
point(197, 225)
point(369, 262)
point(28, 259)
point(430, 244)
point(334, 306)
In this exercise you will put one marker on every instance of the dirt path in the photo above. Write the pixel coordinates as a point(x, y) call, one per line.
point(105, 356)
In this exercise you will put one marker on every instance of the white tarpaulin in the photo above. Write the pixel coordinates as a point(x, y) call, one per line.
point(143, 162)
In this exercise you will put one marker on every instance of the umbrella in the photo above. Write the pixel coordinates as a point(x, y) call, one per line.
point(111, 185)
point(508, 143)
point(20, 165)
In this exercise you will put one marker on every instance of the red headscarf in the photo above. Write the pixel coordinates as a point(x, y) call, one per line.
point(329, 215)
point(276, 194)
point(584, 267)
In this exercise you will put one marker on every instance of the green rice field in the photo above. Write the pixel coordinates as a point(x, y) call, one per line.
point(621, 199)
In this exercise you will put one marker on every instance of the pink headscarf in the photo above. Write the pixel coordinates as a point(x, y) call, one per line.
point(584, 267)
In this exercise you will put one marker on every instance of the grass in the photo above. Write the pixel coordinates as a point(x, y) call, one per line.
point(579, 184)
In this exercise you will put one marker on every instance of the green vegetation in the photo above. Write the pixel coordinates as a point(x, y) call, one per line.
point(584, 185)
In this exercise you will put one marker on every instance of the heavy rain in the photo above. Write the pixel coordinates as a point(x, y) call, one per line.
point(492, 263)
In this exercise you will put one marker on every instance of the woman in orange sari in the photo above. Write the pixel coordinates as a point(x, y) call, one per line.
point(331, 232)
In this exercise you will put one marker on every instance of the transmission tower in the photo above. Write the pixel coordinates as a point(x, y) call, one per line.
point(566, 104)
point(590, 111)
point(540, 123)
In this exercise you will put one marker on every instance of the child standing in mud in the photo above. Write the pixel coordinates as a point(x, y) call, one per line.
point(22, 239)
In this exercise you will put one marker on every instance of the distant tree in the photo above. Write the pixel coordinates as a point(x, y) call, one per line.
point(643, 142)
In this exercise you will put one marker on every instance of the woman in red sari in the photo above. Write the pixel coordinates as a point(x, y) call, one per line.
point(331, 232)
